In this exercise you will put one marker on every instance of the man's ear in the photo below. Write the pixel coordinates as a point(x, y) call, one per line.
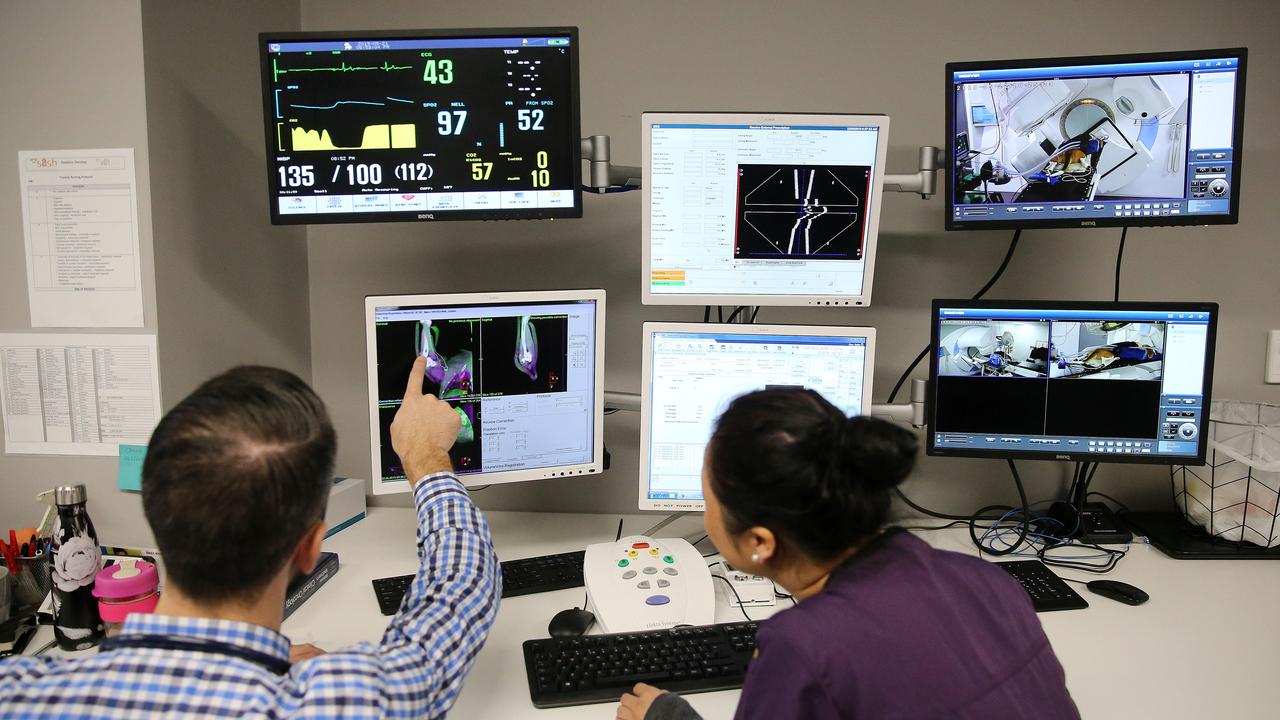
point(307, 552)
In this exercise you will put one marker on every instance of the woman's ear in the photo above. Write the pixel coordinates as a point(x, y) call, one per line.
point(758, 543)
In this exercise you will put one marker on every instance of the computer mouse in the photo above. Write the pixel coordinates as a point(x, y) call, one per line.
point(570, 623)
point(1118, 591)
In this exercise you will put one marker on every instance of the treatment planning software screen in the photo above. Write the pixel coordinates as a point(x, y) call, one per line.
point(759, 209)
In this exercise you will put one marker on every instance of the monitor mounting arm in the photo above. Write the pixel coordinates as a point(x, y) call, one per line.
point(912, 412)
point(924, 181)
point(602, 172)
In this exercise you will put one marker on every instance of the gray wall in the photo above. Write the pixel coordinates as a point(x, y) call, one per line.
point(72, 78)
point(223, 287)
point(844, 57)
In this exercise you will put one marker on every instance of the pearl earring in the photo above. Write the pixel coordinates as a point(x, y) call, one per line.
point(755, 557)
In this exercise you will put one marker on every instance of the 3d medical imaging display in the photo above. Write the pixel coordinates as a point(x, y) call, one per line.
point(1150, 141)
point(412, 125)
point(994, 348)
point(761, 209)
point(520, 377)
point(801, 211)
point(1156, 360)
point(1114, 350)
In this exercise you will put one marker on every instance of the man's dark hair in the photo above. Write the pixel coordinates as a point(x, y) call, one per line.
point(235, 475)
point(789, 460)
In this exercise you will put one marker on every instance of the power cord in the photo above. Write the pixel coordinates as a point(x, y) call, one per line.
point(1120, 256)
point(732, 589)
point(1023, 526)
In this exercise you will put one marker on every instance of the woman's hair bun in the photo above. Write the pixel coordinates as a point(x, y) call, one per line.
point(877, 452)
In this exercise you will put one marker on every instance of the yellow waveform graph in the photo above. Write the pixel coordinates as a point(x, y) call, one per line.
point(376, 137)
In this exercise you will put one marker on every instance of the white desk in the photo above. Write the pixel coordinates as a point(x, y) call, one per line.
point(1205, 646)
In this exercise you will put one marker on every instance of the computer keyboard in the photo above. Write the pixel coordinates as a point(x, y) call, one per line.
point(599, 668)
point(526, 576)
point(1048, 591)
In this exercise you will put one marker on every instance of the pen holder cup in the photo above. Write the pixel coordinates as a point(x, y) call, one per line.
point(31, 585)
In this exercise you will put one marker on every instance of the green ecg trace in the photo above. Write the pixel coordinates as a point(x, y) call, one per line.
point(344, 67)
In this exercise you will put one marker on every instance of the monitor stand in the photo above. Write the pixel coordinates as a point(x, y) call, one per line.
point(1179, 539)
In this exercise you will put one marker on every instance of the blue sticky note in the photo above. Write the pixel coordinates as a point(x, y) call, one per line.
point(131, 457)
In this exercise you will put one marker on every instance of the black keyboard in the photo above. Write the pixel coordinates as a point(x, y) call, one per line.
point(519, 577)
point(1048, 591)
point(599, 668)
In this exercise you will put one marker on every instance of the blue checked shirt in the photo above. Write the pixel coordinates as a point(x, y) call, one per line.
point(415, 671)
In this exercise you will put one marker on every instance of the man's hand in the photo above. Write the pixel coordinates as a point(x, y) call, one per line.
point(635, 704)
point(424, 429)
point(303, 651)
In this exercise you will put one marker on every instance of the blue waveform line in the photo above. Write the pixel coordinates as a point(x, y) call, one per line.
point(399, 100)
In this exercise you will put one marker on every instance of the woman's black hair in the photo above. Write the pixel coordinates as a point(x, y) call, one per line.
point(789, 460)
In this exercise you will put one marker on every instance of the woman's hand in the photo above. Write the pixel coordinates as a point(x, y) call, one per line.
point(635, 704)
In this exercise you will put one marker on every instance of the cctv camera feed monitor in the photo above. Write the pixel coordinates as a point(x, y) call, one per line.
point(695, 374)
point(1114, 141)
point(1119, 383)
point(520, 376)
point(421, 126)
point(784, 209)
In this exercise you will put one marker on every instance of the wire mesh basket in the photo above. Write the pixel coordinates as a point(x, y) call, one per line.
point(1236, 495)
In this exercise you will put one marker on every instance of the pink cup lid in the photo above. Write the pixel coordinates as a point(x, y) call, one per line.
point(125, 580)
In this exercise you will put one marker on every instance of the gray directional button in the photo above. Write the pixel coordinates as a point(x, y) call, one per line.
point(628, 574)
point(650, 570)
point(644, 585)
point(663, 583)
point(670, 571)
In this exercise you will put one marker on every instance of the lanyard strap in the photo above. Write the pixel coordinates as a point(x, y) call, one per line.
point(270, 662)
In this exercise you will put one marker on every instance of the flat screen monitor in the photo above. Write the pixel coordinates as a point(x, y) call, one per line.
point(692, 371)
point(421, 125)
point(761, 209)
point(1121, 140)
point(524, 370)
point(1082, 381)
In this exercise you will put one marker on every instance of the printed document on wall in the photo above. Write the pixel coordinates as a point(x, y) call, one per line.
point(80, 219)
point(73, 394)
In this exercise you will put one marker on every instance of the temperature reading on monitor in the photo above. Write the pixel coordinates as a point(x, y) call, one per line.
point(761, 209)
point(435, 126)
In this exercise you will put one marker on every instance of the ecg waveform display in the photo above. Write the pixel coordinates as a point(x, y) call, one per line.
point(424, 126)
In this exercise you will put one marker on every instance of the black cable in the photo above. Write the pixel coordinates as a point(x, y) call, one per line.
point(754, 313)
point(706, 314)
point(719, 314)
point(481, 487)
point(951, 524)
point(1013, 245)
point(736, 596)
point(1122, 506)
point(736, 311)
point(1120, 256)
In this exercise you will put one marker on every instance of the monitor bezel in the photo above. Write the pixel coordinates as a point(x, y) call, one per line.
point(646, 383)
point(373, 302)
point(875, 200)
point(575, 149)
point(1178, 306)
point(1237, 150)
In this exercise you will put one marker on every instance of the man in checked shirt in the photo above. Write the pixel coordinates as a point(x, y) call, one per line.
point(234, 487)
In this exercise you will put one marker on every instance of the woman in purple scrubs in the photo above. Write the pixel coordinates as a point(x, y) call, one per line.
point(885, 626)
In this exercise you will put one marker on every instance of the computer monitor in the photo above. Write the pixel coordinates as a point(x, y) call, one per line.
point(524, 370)
point(1083, 381)
point(1120, 140)
point(421, 125)
point(692, 371)
point(761, 209)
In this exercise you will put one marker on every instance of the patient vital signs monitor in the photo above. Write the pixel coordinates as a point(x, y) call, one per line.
point(523, 370)
point(1095, 382)
point(1121, 140)
point(421, 125)
point(692, 371)
point(760, 209)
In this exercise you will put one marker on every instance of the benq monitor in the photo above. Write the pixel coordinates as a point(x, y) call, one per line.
point(692, 371)
point(1121, 140)
point(1082, 381)
point(421, 125)
point(523, 370)
point(760, 209)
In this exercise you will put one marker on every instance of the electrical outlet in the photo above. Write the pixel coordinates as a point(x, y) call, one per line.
point(1273, 357)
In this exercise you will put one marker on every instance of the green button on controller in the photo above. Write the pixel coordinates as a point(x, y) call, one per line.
point(624, 562)
point(668, 559)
